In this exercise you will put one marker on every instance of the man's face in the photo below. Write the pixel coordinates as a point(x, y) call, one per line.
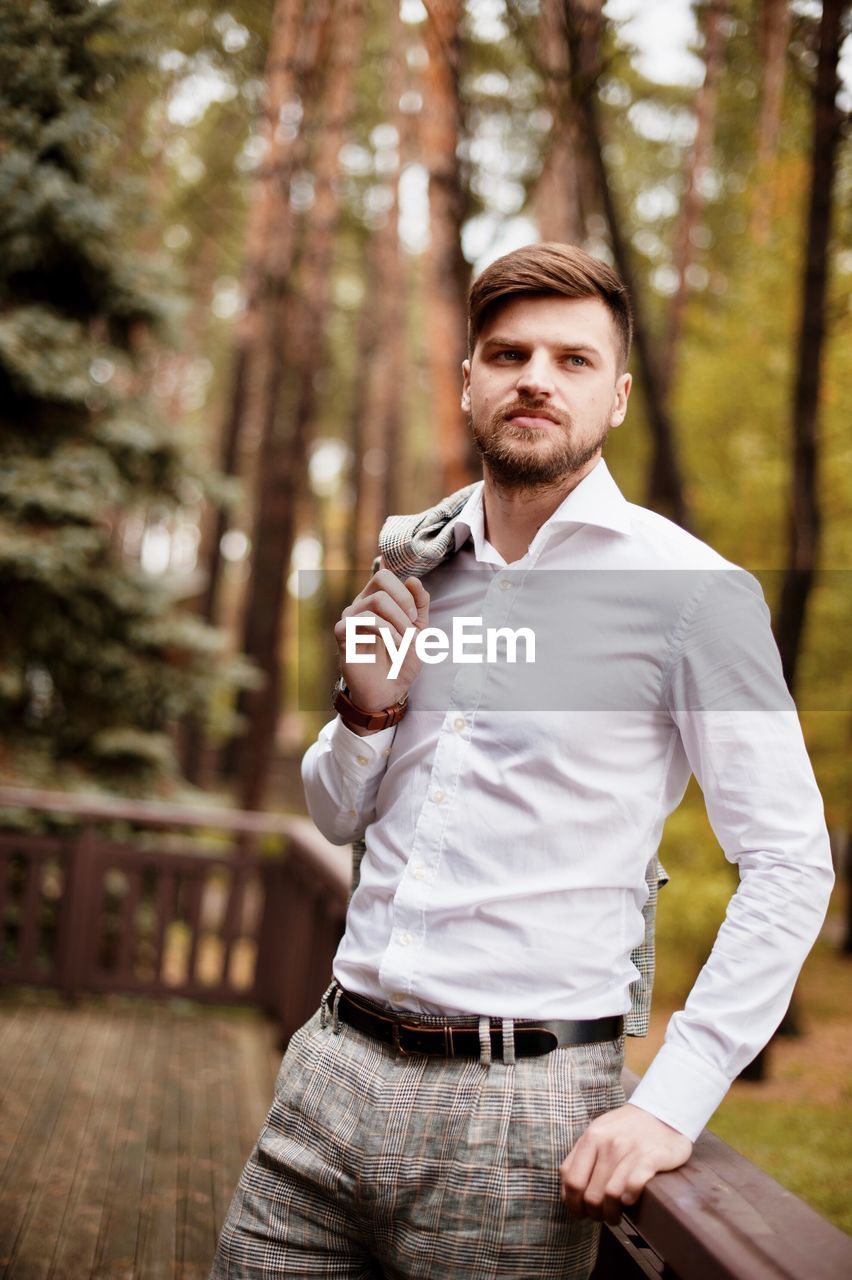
point(542, 389)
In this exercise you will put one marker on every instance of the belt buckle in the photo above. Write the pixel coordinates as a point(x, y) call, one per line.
point(399, 1047)
point(397, 1042)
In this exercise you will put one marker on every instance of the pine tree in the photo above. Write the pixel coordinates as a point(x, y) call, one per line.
point(96, 662)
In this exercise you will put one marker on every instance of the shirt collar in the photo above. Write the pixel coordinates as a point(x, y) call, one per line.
point(597, 500)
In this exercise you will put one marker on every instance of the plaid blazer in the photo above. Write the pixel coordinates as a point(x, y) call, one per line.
point(412, 545)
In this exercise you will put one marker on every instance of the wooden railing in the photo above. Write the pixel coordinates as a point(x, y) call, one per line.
point(208, 905)
point(257, 920)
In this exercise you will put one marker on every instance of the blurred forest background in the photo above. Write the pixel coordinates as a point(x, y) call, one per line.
point(237, 237)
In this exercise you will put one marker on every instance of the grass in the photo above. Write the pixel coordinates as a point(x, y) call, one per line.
point(804, 1145)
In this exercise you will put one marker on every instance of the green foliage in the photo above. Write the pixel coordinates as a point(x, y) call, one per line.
point(801, 1143)
point(96, 662)
point(692, 905)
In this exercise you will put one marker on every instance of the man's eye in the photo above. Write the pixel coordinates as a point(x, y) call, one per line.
point(577, 361)
point(509, 355)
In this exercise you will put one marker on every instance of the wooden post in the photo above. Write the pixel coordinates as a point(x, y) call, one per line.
point(271, 968)
point(76, 929)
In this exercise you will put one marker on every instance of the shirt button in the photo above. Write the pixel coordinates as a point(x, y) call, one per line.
point(405, 938)
point(353, 813)
point(418, 871)
point(504, 584)
point(387, 751)
point(362, 759)
point(398, 997)
point(438, 796)
point(459, 723)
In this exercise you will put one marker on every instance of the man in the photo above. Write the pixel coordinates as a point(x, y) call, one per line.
point(455, 1107)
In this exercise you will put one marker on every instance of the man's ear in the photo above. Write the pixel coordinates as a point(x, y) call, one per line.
point(465, 396)
point(619, 403)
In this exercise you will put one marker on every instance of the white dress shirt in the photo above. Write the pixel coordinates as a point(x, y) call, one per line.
point(510, 816)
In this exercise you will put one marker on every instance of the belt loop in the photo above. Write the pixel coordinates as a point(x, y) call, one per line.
point(509, 1041)
point(324, 1004)
point(485, 1041)
point(335, 1017)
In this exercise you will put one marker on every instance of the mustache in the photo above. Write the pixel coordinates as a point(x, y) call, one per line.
point(522, 407)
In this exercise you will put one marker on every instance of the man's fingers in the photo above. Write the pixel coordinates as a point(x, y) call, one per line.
point(624, 1186)
point(575, 1173)
point(597, 1191)
point(386, 582)
point(597, 1203)
point(410, 596)
point(384, 607)
point(420, 596)
point(638, 1178)
point(615, 1158)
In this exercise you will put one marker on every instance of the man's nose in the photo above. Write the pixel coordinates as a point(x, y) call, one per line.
point(535, 377)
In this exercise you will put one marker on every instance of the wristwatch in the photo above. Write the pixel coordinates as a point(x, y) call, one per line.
point(351, 714)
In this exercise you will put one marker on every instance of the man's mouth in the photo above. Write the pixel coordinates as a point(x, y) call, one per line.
point(535, 419)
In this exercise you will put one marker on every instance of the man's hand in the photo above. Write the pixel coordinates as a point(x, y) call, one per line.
point(395, 606)
point(609, 1165)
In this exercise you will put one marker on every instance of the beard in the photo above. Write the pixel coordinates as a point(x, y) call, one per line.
point(506, 452)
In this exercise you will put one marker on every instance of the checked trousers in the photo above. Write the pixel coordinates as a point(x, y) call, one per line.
point(372, 1166)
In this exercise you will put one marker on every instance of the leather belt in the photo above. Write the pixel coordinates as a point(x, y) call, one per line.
point(459, 1037)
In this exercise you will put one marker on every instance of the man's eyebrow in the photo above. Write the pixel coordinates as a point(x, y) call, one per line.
point(564, 348)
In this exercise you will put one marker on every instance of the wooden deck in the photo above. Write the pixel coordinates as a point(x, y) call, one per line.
point(124, 1124)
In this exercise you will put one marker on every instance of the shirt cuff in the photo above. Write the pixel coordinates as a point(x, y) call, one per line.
point(680, 1089)
point(359, 757)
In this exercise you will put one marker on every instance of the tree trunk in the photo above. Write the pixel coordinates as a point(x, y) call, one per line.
point(584, 23)
point(381, 409)
point(805, 521)
point(774, 31)
point(690, 210)
point(286, 435)
point(841, 847)
point(357, 559)
point(447, 271)
point(559, 190)
point(296, 42)
point(293, 55)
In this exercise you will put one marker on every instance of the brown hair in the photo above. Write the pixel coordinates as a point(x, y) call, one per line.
point(552, 268)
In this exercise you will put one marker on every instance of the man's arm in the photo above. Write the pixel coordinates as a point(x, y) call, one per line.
point(741, 734)
point(342, 770)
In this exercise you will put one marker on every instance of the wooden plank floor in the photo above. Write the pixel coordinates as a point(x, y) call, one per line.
point(124, 1125)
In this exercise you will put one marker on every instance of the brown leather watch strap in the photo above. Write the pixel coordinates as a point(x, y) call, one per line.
point(351, 714)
